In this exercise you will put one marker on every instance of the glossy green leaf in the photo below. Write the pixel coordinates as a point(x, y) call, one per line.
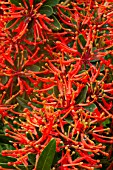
point(82, 96)
point(4, 79)
point(6, 147)
point(73, 21)
point(82, 40)
point(102, 68)
point(10, 23)
point(29, 167)
point(33, 68)
point(47, 156)
point(16, 2)
point(38, 132)
point(99, 77)
point(91, 107)
point(32, 158)
point(23, 103)
point(83, 43)
point(95, 60)
point(56, 24)
point(5, 139)
point(108, 56)
point(50, 91)
point(52, 2)
point(28, 135)
point(69, 119)
point(6, 166)
point(5, 159)
point(46, 9)
point(106, 123)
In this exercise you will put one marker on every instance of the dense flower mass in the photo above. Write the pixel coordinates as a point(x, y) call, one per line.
point(56, 82)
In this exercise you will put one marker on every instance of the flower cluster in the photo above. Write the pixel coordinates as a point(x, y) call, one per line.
point(56, 81)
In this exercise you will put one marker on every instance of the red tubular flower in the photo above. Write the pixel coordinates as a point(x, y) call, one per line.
point(108, 106)
point(99, 138)
point(56, 81)
point(33, 14)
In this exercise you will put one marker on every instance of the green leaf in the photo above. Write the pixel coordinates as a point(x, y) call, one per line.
point(5, 139)
point(33, 68)
point(99, 77)
point(47, 156)
point(5, 159)
point(52, 2)
point(6, 147)
point(106, 123)
point(73, 21)
point(46, 9)
point(69, 119)
point(102, 68)
point(36, 1)
point(83, 42)
point(28, 136)
point(10, 23)
point(23, 103)
point(38, 105)
point(32, 158)
point(50, 91)
point(108, 56)
point(95, 60)
point(56, 24)
point(6, 166)
point(4, 79)
point(16, 2)
point(91, 107)
point(38, 132)
point(56, 91)
point(82, 96)
point(22, 167)
point(29, 167)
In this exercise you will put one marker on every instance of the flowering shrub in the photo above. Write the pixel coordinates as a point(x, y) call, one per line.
point(56, 84)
